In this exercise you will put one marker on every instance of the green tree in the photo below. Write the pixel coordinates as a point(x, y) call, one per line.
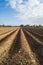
point(22, 25)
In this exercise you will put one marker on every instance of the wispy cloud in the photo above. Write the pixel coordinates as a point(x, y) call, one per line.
point(27, 8)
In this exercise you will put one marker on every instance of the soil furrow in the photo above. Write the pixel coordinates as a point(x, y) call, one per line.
point(3, 37)
point(15, 45)
point(40, 37)
point(36, 39)
point(36, 47)
point(13, 48)
point(21, 46)
point(4, 49)
point(5, 32)
point(26, 47)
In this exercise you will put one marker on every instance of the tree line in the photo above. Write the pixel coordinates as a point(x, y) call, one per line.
point(21, 25)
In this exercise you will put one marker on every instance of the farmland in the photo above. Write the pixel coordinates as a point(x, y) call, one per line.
point(21, 46)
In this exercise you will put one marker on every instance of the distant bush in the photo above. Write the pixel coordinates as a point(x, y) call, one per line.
point(2, 25)
point(5, 25)
point(27, 25)
point(22, 25)
point(40, 25)
point(33, 26)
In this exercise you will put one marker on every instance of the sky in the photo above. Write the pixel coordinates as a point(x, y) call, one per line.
point(17, 12)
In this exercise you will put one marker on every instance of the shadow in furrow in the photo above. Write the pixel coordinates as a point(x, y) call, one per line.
point(36, 47)
point(36, 35)
point(7, 36)
point(5, 32)
point(15, 45)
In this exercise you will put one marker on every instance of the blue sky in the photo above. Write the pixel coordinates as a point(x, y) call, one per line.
point(16, 12)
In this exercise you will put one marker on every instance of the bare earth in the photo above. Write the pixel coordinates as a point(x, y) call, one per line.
point(21, 46)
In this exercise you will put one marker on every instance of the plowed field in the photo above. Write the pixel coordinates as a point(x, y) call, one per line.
point(21, 46)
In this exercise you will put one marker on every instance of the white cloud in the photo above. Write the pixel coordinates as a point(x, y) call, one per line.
point(33, 3)
point(32, 8)
point(38, 11)
point(12, 3)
